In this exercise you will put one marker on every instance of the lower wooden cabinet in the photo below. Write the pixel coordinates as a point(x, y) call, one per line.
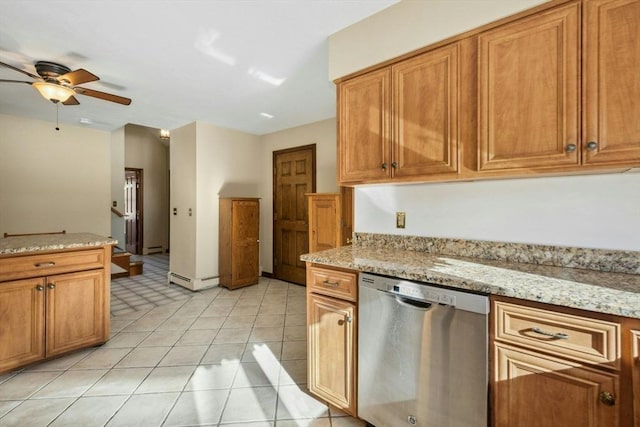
point(331, 338)
point(44, 317)
point(74, 311)
point(21, 322)
point(536, 390)
point(560, 367)
point(635, 373)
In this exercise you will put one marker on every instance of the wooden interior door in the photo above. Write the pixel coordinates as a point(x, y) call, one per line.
point(294, 175)
point(133, 214)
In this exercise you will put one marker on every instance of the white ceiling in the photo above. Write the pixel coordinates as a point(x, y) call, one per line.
point(219, 61)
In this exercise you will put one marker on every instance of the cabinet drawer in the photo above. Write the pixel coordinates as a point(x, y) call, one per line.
point(19, 267)
point(339, 284)
point(579, 338)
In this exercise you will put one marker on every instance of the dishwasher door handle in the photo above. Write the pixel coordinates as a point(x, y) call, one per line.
point(408, 302)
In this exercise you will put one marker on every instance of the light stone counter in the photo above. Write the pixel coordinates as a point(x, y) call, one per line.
point(604, 292)
point(51, 242)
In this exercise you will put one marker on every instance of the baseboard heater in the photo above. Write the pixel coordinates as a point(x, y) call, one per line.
point(192, 284)
point(153, 250)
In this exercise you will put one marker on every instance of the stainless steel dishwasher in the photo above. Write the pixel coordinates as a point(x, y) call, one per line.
point(422, 354)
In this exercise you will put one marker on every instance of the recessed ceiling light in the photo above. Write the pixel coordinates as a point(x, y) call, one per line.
point(85, 121)
point(267, 115)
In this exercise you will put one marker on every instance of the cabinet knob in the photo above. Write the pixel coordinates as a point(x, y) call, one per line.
point(570, 148)
point(51, 286)
point(39, 288)
point(607, 398)
point(384, 166)
point(347, 319)
point(394, 165)
point(592, 145)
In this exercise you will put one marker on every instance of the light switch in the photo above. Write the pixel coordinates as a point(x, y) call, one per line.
point(400, 219)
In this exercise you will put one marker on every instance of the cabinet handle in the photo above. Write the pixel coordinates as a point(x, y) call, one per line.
point(51, 286)
point(39, 288)
point(394, 165)
point(592, 145)
point(348, 319)
point(607, 398)
point(384, 166)
point(44, 264)
point(557, 335)
point(328, 283)
point(570, 148)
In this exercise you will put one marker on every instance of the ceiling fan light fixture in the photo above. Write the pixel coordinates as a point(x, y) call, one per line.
point(53, 92)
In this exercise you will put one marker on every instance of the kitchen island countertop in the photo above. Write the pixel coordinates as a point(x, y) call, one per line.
point(603, 292)
point(15, 245)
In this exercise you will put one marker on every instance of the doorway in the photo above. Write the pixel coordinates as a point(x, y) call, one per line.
point(133, 210)
point(294, 174)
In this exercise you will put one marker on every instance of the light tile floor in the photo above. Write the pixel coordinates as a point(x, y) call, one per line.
point(215, 358)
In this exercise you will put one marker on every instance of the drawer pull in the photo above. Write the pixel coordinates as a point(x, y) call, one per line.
point(44, 264)
point(607, 398)
point(557, 335)
point(328, 283)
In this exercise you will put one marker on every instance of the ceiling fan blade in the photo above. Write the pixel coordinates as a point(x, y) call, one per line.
point(102, 95)
point(14, 81)
point(33, 76)
point(78, 77)
point(71, 101)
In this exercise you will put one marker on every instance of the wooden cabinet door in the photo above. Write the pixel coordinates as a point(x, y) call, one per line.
point(75, 311)
point(363, 127)
point(611, 60)
point(324, 222)
point(635, 373)
point(21, 322)
point(245, 242)
point(535, 390)
point(331, 351)
point(425, 113)
point(528, 92)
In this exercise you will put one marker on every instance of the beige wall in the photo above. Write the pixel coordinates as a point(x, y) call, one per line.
point(410, 25)
point(53, 180)
point(117, 185)
point(323, 134)
point(144, 150)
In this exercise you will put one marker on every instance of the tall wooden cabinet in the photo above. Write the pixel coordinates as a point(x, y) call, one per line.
point(51, 304)
point(330, 219)
point(239, 242)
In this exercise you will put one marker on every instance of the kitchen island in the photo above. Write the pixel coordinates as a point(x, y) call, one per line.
point(54, 295)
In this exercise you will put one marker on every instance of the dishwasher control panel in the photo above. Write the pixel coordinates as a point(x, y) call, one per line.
point(417, 291)
point(426, 292)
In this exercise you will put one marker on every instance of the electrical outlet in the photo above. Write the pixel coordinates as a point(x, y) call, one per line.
point(400, 219)
point(115, 203)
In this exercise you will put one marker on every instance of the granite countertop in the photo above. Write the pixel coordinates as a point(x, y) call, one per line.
point(51, 242)
point(603, 292)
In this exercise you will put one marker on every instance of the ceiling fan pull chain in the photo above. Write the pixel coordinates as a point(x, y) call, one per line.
point(57, 115)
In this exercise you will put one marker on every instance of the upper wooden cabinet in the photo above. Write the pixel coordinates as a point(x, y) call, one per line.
point(528, 92)
point(364, 128)
point(551, 90)
point(410, 134)
point(611, 81)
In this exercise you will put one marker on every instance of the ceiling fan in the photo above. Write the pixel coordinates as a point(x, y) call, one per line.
point(58, 83)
